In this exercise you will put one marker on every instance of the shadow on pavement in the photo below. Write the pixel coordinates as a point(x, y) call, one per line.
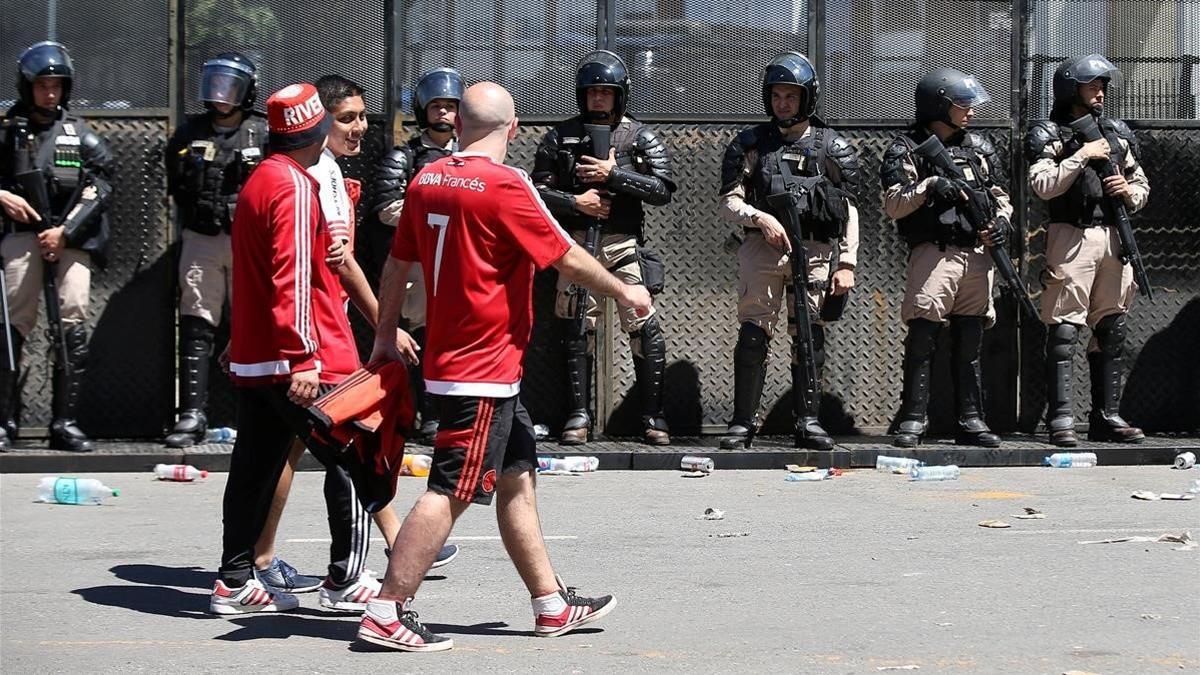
point(158, 600)
point(159, 575)
point(298, 623)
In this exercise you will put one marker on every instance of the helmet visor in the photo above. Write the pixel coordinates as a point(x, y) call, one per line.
point(967, 93)
point(45, 59)
point(789, 69)
point(439, 84)
point(223, 84)
point(1095, 66)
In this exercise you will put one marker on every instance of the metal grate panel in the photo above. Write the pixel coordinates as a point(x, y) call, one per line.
point(289, 44)
point(530, 48)
point(108, 74)
point(877, 50)
point(703, 59)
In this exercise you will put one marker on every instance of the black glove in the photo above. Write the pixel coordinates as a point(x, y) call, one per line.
point(945, 190)
point(999, 231)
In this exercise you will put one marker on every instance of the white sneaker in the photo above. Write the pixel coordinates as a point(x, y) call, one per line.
point(251, 598)
point(352, 598)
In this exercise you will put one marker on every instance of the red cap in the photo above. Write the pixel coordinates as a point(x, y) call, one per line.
point(296, 117)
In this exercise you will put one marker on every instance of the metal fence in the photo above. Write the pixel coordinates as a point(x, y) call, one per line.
point(696, 68)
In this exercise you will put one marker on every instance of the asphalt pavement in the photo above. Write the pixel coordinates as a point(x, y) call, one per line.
point(863, 573)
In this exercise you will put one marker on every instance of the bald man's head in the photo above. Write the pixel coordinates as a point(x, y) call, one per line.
point(486, 108)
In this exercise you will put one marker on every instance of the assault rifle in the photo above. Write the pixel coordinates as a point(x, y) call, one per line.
point(979, 210)
point(1114, 207)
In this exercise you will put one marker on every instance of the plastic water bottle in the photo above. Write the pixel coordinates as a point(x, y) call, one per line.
point(819, 474)
point(64, 490)
point(1070, 460)
point(1195, 488)
point(948, 472)
point(904, 464)
point(573, 464)
point(220, 435)
point(416, 465)
point(183, 473)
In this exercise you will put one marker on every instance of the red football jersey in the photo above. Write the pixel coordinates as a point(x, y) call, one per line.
point(479, 230)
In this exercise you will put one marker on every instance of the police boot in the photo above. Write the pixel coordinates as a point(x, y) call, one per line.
point(8, 385)
point(68, 378)
point(1105, 422)
point(579, 372)
point(650, 362)
point(909, 425)
point(1060, 354)
point(196, 337)
point(749, 373)
point(966, 333)
point(426, 403)
point(807, 397)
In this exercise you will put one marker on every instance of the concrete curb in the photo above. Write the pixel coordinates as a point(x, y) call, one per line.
point(767, 453)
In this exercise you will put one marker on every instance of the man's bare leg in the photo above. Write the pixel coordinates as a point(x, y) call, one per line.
point(388, 523)
point(264, 548)
point(416, 546)
point(521, 531)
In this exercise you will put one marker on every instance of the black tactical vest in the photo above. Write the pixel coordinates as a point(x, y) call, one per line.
point(1082, 203)
point(626, 215)
point(805, 157)
point(213, 169)
point(423, 154)
point(939, 223)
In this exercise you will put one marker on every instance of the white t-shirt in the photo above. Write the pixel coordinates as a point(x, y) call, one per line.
point(335, 203)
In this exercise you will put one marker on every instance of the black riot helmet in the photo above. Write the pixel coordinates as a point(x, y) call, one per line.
point(44, 59)
point(795, 69)
point(1073, 73)
point(229, 78)
point(440, 83)
point(602, 68)
point(945, 87)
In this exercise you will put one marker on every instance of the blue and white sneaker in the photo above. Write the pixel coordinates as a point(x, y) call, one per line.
point(281, 576)
point(448, 553)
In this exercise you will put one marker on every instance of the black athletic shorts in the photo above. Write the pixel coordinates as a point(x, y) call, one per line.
point(477, 440)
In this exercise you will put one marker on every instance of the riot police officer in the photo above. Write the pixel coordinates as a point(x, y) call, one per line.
point(794, 150)
point(208, 159)
point(609, 193)
point(49, 153)
point(950, 274)
point(435, 107)
point(1086, 281)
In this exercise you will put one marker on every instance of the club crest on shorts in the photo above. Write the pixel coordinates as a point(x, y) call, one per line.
point(488, 483)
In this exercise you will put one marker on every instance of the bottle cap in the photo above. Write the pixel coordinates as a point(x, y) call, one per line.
point(203, 473)
point(116, 492)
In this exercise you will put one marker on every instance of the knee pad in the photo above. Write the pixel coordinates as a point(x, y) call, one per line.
point(751, 346)
point(1060, 344)
point(1110, 335)
point(922, 337)
point(648, 341)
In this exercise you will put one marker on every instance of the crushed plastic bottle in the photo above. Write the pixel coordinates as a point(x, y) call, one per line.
point(819, 474)
point(1070, 460)
point(220, 435)
point(573, 464)
point(184, 473)
point(66, 490)
point(416, 465)
point(1195, 488)
point(541, 432)
point(891, 464)
point(948, 472)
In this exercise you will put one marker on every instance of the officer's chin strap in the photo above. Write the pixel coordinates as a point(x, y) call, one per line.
point(789, 122)
point(442, 127)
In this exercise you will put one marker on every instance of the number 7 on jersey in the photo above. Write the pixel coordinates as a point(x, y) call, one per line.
point(440, 222)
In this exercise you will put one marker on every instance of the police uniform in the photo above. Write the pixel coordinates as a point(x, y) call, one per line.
point(950, 274)
point(753, 162)
point(392, 176)
point(207, 164)
point(642, 176)
point(76, 166)
point(1086, 281)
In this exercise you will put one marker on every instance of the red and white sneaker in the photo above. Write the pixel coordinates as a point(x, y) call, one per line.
point(579, 611)
point(389, 624)
point(251, 598)
point(352, 598)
